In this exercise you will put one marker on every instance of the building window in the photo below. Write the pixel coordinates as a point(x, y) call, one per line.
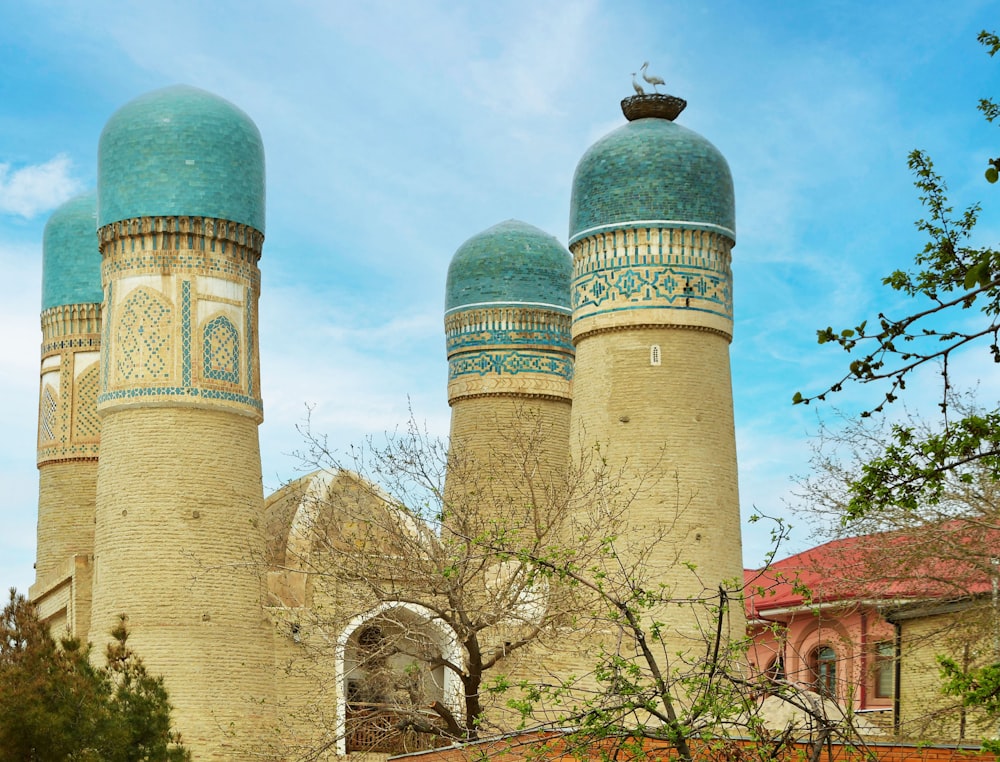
point(775, 670)
point(654, 354)
point(885, 672)
point(824, 671)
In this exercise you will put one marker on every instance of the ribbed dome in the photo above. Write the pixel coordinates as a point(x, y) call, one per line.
point(512, 263)
point(181, 151)
point(71, 259)
point(650, 172)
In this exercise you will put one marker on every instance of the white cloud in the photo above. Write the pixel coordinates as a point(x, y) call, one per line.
point(37, 188)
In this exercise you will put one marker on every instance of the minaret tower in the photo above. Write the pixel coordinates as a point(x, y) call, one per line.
point(652, 224)
point(69, 430)
point(179, 494)
point(510, 363)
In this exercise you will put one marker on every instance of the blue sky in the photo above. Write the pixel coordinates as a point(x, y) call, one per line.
point(396, 130)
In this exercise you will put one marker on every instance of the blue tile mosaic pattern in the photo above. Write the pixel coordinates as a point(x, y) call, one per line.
point(459, 341)
point(222, 350)
point(181, 151)
point(510, 364)
point(650, 171)
point(512, 263)
point(71, 259)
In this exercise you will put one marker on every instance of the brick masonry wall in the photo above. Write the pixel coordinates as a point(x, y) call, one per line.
point(670, 430)
point(177, 540)
point(925, 712)
point(509, 445)
point(550, 746)
point(66, 495)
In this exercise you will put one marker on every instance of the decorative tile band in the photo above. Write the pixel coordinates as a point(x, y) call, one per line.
point(637, 272)
point(80, 451)
point(250, 316)
point(197, 245)
point(70, 320)
point(708, 227)
point(507, 327)
point(143, 395)
point(75, 342)
point(510, 363)
point(181, 333)
point(186, 333)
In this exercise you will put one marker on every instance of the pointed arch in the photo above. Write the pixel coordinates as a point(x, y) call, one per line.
point(350, 666)
point(221, 350)
point(144, 337)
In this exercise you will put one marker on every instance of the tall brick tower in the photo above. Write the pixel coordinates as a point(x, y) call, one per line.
point(652, 224)
point(69, 430)
point(510, 361)
point(179, 493)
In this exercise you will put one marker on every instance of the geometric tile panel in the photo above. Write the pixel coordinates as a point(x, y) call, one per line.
point(86, 424)
point(653, 268)
point(222, 350)
point(143, 339)
point(186, 332)
point(510, 363)
point(47, 415)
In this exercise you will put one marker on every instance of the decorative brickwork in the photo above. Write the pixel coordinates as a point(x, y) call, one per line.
point(86, 423)
point(652, 276)
point(178, 527)
point(222, 350)
point(143, 338)
point(48, 411)
point(509, 351)
point(163, 353)
point(67, 427)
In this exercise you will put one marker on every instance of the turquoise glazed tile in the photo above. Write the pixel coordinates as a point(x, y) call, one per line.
point(71, 259)
point(512, 263)
point(181, 151)
point(651, 171)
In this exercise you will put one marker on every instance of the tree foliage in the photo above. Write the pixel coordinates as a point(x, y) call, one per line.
point(56, 705)
point(388, 542)
point(698, 697)
point(558, 617)
point(956, 289)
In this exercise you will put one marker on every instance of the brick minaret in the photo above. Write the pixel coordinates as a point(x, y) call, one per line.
point(179, 495)
point(651, 228)
point(69, 431)
point(510, 365)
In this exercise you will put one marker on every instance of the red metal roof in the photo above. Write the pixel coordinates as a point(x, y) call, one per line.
point(947, 560)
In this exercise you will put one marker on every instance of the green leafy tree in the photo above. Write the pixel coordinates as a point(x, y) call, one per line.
point(955, 287)
point(55, 705)
point(698, 700)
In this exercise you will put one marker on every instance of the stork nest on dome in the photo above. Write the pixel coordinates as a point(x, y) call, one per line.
point(653, 106)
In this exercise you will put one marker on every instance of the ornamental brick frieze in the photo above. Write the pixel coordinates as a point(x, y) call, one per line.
point(653, 275)
point(510, 363)
point(181, 338)
point(646, 245)
point(195, 245)
point(73, 321)
point(507, 327)
point(523, 383)
point(68, 427)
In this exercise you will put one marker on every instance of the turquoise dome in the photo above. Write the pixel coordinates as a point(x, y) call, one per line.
point(649, 172)
point(180, 151)
point(71, 259)
point(514, 264)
